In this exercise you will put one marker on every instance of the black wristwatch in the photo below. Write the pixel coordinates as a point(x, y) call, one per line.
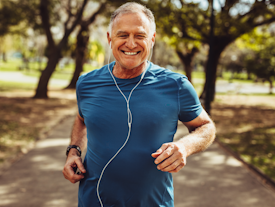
point(73, 146)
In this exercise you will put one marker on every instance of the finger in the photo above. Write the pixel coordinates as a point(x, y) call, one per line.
point(168, 162)
point(177, 169)
point(173, 166)
point(76, 178)
point(157, 153)
point(167, 152)
point(70, 175)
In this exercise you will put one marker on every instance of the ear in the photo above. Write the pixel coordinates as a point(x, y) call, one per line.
point(153, 39)
point(109, 39)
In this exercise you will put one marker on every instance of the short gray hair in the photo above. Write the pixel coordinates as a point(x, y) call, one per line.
point(133, 7)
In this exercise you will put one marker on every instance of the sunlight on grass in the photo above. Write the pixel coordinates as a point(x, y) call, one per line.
point(14, 138)
point(256, 147)
point(10, 86)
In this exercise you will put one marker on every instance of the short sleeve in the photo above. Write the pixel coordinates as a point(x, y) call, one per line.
point(78, 97)
point(189, 103)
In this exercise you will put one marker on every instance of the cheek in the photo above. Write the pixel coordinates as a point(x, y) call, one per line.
point(146, 45)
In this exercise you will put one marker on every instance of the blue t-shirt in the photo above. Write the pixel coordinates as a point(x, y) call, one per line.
point(132, 178)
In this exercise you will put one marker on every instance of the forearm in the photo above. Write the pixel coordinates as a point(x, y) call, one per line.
point(74, 161)
point(79, 133)
point(199, 139)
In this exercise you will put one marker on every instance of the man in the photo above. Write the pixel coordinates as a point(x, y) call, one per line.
point(129, 110)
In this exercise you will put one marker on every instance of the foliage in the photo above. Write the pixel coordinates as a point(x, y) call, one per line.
point(262, 64)
point(190, 21)
point(258, 54)
point(16, 16)
point(232, 19)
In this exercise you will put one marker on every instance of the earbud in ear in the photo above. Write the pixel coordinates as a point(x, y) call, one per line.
point(110, 45)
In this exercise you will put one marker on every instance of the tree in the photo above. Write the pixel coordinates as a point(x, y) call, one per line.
point(170, 26)
point(74, 15)
point(233, 19)
point(260, 59)
point(187, 59)
point(84, 34)
point(83, 37)
point(262, 64)
point(15, 17)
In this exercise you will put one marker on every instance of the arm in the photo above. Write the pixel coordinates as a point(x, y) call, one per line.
point(171, 157)
point(78, 138)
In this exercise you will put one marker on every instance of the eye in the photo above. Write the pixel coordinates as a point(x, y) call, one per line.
point(123, 36)
point(140, 36)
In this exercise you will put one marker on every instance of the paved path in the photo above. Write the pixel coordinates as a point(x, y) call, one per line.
point(210, 179)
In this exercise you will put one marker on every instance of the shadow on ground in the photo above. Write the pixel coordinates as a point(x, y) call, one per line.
point(36, 180)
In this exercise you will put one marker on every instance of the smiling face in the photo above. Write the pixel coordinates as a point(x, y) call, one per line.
point(131, 41)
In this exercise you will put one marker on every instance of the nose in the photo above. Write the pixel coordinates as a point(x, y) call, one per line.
point(130, 43)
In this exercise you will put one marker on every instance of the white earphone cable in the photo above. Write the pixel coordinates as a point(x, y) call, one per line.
point(130, 119)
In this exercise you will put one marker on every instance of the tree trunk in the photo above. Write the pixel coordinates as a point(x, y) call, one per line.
point(187, 60)
point(210, 80)
point(42, 88)
point(55, 49)
point(4, 57)
point(81, 49)
point(270, 87)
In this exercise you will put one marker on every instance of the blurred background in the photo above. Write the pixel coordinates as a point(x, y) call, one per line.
point(226, 48)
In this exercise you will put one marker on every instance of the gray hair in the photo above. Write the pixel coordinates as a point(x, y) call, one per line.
point(133, 7)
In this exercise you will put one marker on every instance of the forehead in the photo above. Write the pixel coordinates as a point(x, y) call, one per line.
point(130, 22)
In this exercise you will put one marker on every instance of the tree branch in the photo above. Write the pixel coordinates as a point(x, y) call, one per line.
point(182, 3)
point(68, 9)
point(68, 31)
point(268, 21)
point(93, 16)
point(44, 14)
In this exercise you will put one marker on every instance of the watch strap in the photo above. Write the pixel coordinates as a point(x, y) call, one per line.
point(75, 147)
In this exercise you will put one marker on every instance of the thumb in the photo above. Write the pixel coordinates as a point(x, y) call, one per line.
point(80, 166)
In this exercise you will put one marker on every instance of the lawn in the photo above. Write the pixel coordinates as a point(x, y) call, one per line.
point(34, 68)
point(246, 124)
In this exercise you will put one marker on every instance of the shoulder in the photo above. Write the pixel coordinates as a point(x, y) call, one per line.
point(94, 75)
point(166, 74)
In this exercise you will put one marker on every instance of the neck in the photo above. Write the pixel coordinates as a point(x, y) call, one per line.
point(125, 73)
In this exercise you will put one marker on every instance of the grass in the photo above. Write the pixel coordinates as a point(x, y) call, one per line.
point(35, 68)
point(15, 138)
point(256, 147)
point(12, 86)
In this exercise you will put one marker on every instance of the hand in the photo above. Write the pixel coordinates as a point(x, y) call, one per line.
point(171, 157)
point(73, 162)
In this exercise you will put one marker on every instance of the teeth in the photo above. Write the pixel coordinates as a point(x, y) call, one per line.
point(130, 53)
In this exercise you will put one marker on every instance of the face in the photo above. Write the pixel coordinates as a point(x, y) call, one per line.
point(131, 40)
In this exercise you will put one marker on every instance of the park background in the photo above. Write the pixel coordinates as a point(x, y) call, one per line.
point(226, 50)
